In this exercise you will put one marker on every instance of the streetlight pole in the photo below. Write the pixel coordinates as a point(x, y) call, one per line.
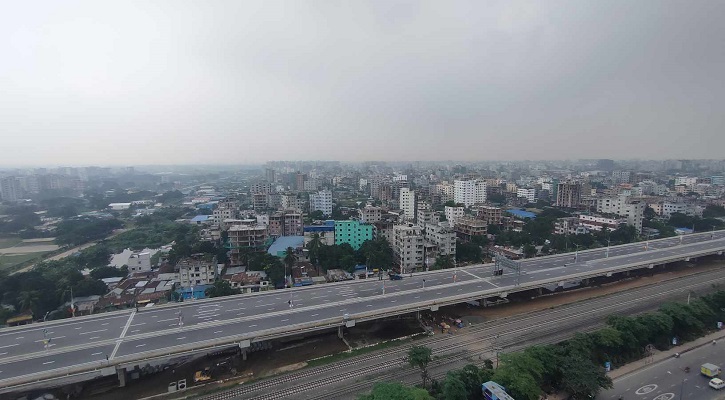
point(576, 253)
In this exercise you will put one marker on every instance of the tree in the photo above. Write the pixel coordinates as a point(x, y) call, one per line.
point(443, 262)
point(480, 240)
point(89, 287)
point(468, 252)
point(27, 300)
point(106, 272)
point(454, 389)
point(290, 259)
point(420, 357)
point(713, 211)
point(496, 198)
point(221, 288)
point(313, 248)
point(582, 379)
point(529, 251)
point(395, 391)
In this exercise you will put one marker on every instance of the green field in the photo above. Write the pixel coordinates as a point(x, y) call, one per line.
point(9, 242)
point(8, 262)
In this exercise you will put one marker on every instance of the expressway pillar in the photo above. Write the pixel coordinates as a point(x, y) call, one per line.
point(121, 372)
point(244, 355)
point(540, 291)
point(340, 333)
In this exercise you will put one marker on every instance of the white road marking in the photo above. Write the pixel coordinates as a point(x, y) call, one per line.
point(241, 313)
point(314, 315)
point(94, 337)
point(38, 341)
point(48, 362)
point(141, 345)
point(123, 334)
point(97, 354)
point(475, 276)
point(218, 331)
point(252, 326)
point(285, 320)
point(369, 305)
point(20, 337)
point(139, 324)
point(104, 324)
point(87, 333)
point(168, 319)
point(181, 338)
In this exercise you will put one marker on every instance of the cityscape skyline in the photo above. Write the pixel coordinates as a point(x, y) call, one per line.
point(85, 83)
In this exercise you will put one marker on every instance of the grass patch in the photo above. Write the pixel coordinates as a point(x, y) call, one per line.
point(356, 352)
point(9, 262)
point(6, 243)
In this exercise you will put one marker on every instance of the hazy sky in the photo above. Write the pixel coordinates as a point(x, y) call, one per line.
point(166, 82)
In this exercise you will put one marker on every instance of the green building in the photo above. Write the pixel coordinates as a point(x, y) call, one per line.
point(353, 233)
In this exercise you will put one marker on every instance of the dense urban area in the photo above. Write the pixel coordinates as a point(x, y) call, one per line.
point(77, 241)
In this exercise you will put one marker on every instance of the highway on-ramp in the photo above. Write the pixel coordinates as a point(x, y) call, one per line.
point(128, 337)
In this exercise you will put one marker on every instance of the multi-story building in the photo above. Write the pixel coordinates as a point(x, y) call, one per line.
point(325, 232)
point(352, 232)
point(443, 237)
point(453, 213)
point(285, 223)
point(386, 192)
point(446, 192)
point(139, 262)
point(407, 203)
point(300, 181)
point(569, 226)
point(225, 209)
point(481, 191)
point(597, 223)
point(464, 192)
point(623, 206)
point(260, 188)
point(244, 239)
point(194, 271)
point(321, 201)
point(424, 214)
point(669, 208)
point(688, 181)
point(310, 185)
point(371, 214)
point(528, 193)
point(408, 242)
point(467, 228)
point(621, 177)
point(568, 194)
point(269, 175)
point(490, 215)
point(259, 201)
point(10, 189)
point(292, 202)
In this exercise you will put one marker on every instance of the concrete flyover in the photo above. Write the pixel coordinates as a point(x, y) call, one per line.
point(85, 347)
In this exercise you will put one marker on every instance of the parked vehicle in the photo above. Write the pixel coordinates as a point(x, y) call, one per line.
point(395, 277)
point(710, 370)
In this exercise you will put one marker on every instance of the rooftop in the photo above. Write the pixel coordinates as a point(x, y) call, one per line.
point(283, 242)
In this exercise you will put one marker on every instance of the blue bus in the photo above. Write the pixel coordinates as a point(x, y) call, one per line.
point(494, 391)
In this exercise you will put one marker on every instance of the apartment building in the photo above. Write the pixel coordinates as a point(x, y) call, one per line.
point(443, 237)
point(321, 201)
point(285, 223)
point(453, 214)
point(597, 223)
point(408, 242)
point(353, 233)
point(466, 228)
point(245, 238)
point(371, 214)
point(260, 188)
point(407, 203)
point(624, 206)
point(527, 193)
point(325, 232)
point(568, 194)
point(292, 201)
point(194, 271)
point(464, 192)
point(139, 262)
point(490, 215)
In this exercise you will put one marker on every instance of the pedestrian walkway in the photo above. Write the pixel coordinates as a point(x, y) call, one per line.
point(660, 356)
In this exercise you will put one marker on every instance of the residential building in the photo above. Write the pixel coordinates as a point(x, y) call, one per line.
point(464, 192)
point(260, 188)
point(139, 262)
point(225, 209)
point(621, 177)
point(292, 202)
point(481, 191)
point(259, 201)
point(624, 206)
point(285, 223)
point(245, 238)
point(528, 193)
point(326, 233)
point(408, 242)
point(466, 228)
point(424, 214)
point(353, 233)
point(569, 226)
point(407, 203)
point(687, 181)
point(371, 214)
point(321, 201)
point(669, 208)
point(194, 271)
point(597, 223)
point(568, 194)
point(443, 237)
point(10, 189)
point(300, 181)
point(269, 175)
point(446, 192)
point(453, 213)
point(490, 215)
point(310, 185)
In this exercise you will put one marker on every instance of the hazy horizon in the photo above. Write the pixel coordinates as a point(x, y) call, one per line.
point(241, 83)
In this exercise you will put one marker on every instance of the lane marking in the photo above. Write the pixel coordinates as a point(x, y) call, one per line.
point(181, 338)
point(123, 334)
point(88, 333)
point(48, 362)
point(94, 337)
point(97, 354)
point(141, 345)
point(475, 276)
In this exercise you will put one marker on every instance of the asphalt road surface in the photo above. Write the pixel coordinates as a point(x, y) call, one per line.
point(668, 380)
point(99, 340)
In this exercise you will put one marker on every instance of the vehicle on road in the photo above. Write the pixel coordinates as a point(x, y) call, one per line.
point(395, 277)
point(710, 370)
point(717, 383)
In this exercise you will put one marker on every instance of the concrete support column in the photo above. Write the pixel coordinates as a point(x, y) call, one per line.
point(244, 355)
point(540, 291)
point(121, 372)
point(585, 282)
point(340, 333)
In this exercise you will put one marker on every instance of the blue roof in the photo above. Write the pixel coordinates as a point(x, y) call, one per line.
point(200, 218)
point(521, 213)
point(320, 228)
point(283, 242)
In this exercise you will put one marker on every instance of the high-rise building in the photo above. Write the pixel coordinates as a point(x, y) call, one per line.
point(464, 192)
point(481, 191)
point(528, 193)
point(370, 214)
point(407, 246)
point(300, 181)
point(453, 214)
point(568, 194)
point(321, 201)
point(10, 189)
point(623, 206)
point(269, 174)
point(407, 203)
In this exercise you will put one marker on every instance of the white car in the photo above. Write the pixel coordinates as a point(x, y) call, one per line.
point(717, 383)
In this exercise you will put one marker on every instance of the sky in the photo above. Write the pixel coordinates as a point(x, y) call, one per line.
point(234, 82)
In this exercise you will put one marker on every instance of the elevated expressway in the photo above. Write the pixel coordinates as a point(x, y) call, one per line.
point(104, 344)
